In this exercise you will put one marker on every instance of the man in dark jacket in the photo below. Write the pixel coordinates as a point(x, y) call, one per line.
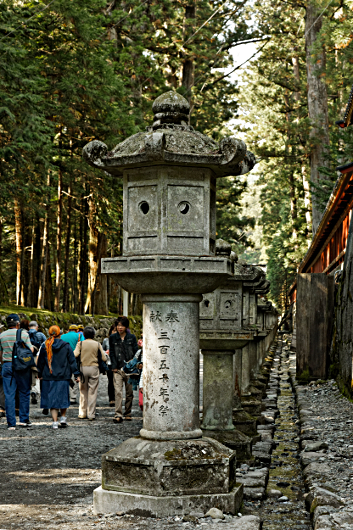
point(122, 348)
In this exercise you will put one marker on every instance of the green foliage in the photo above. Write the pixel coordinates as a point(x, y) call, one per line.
point(231, 225)
point(274, 101)
point(73, 71)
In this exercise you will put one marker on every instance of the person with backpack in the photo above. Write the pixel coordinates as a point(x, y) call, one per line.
point(16, 352)
point(37, 338)
point(89, 355)
point(73, 337)
point(56, 363)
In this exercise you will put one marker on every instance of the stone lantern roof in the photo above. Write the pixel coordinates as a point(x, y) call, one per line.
point(171, 140)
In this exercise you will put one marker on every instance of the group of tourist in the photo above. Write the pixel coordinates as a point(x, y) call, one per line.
point(62, 361)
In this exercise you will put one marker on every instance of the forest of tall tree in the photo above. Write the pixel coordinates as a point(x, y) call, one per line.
point(72, 71)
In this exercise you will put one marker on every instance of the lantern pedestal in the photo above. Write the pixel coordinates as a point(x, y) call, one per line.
point(168, 477)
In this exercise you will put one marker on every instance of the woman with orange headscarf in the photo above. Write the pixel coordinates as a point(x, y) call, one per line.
point(56, 364)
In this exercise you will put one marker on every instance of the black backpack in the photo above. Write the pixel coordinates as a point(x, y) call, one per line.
point(22, 356)
point(33, 337)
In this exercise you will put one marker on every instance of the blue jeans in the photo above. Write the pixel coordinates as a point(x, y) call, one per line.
point(22, 382)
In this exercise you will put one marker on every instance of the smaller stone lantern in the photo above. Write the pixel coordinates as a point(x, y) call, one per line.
point(222, 337)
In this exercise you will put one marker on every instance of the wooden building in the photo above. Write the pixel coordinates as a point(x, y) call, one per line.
point(312, 297)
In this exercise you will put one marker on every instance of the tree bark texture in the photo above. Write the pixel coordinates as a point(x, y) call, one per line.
point(317, 102)
point(19, 252)
point(97, 247)
point(58, 244)
point(3, 290)
point(188, 63)
point(83, 254)
point(67, 251)
point(44, 255)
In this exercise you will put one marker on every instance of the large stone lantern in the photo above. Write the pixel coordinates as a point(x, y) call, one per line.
point(169, 174)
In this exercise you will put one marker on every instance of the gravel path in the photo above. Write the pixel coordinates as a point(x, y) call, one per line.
point(326, 439)
point(47, 477)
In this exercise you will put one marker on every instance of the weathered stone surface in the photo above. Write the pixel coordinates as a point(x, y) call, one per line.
point(173, 274)
point(235, 440)
point(274, 493)
point(254, 493)
point(215, 513)
point(316, 469)
point(323, 523)
point(171, 140)
point(150, 506)
point(322, 497)
point(316, 446)
point(169, 468)
point(308, 458)
point(217, 390)
point(247, 522)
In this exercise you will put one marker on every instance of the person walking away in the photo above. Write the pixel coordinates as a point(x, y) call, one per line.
point(122, 348)
point(110, 375)
point(56, 364)
point(80, 329)
point(37, 338)
point(2, 394)
point(13, 380)
point(24, 324)
point(89, 351)
point(140, 345)
point(72, 337)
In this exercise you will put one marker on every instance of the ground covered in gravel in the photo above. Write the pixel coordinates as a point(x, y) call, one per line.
point(47, 477)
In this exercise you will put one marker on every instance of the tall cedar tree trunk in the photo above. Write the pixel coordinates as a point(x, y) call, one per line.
point(67, 250)
point(188, 64)
point(83, 254)
point(97, 245)
point(19, 252)
point(3, 291)
point(293, 199)
point(74, 296)
point(44, 254)
point(306, 186)
point(58, 243)
point(49, 298)
point(100, 290)
point(317, 102)
point(30, 294)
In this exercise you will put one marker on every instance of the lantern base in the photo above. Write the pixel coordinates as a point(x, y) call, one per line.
point(169, 467)
point(105, 501)
point(235, 440)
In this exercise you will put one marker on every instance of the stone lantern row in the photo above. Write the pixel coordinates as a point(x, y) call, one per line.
point(170, 257)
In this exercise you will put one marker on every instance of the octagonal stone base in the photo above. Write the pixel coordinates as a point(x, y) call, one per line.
point(157, 478)
point(234, 440)
point(150, 506)
point(169, 467)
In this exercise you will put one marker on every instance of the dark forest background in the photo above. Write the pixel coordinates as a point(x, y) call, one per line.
point(72, 71)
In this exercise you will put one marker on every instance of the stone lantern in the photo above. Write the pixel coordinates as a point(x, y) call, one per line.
point(169, 178)
point(222, 338)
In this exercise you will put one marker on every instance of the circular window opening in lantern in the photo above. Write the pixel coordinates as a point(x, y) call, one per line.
point(207, 303)
point(144, 207)
point(183, 207)
point(228, 304)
